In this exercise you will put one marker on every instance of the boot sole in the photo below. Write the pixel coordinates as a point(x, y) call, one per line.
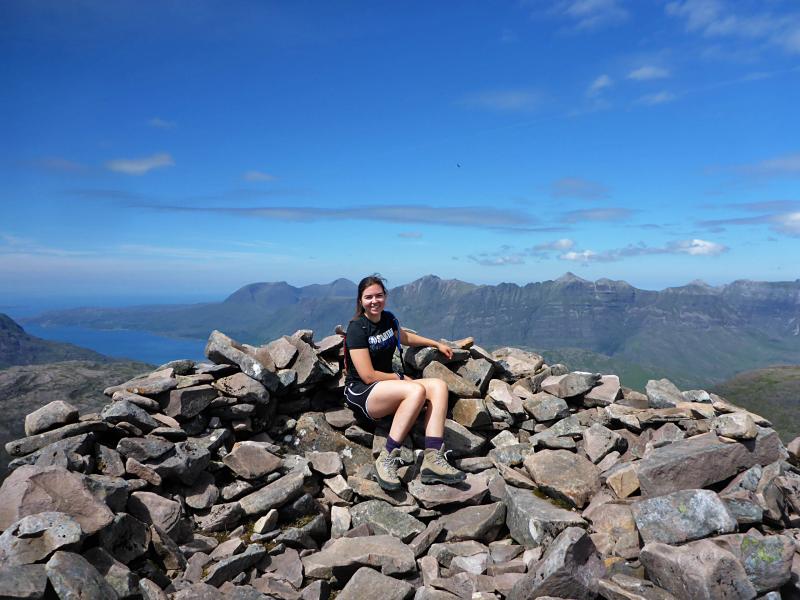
point(429, 479)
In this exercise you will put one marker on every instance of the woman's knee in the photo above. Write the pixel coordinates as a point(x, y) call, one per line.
point(439, 388)
point(416, 392)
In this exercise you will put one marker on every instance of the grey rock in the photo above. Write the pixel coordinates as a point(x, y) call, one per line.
point(32, 443)
point(150, 385)
point(564, 475)
point(31, 489)
point(307, 364)
point(517, 363)
point(35, 537)
point(220, 517)
point(367, 488)
point(122, 411)
point(767, 560)
point(189, 402)
point(616, 522)
point(456, 385)
point(624, 587)
point(511, 455)
point(570, 568)
point(461, 441)
point(116, 574)
point(72, 576)
point(151, 591)
point(228, 568)
point(314, 434)
point(546, 407)
point(478, 372)
point(384, 519)
point(222, 349)
point(570, 385)
point(185, 464)
point(599, 441)
point(23, 581)
point(420, 544)
point(282, 352)
point(481, 523)
point(54, 414)
point(366, 582)
point(662, 393)
point(112, 491)
point(69, 453)
point(698, 570)
point(144, 449)
point(126, 538)
point(470, 491)
point(737, 426)
point(535, 522)
point(702, 460)
point(682, 516)
point(244, 388)
point(503, 396)
point(273, 495)
point(325, 463)
point(606, 392)
point(472, 413)
point(203, 493)
point(153, 509)
point(384, 551)
point(251, 460)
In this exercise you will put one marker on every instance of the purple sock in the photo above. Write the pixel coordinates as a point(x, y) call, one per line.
point(391, 444)
point(433, 442)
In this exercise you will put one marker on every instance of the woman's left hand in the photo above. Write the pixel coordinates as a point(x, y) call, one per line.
point(445, 349)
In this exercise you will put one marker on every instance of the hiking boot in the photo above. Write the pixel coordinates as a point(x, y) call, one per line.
point(386, 469)
point(436, 469)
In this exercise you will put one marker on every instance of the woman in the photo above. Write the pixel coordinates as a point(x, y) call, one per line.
point(374, 391)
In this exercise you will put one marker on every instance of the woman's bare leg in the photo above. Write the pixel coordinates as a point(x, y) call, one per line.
point(404, 399)
point(436, 409)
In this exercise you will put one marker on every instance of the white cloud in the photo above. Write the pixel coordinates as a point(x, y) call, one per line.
point(788, 164)
point(140, 166)
point(598, 85)
point(698, 247)
point(597, 214)
point(582, 256)
point(590, 14)
point(498, 261)
point(562, 244)
point(656, 99)
point(161, 123)
point(577, 187)
point(505, 100)
point(258, 176)
point(648, 72)
point(788, 224)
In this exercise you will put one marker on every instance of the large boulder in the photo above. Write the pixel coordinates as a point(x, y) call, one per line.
point(54, 414)
point(72, 576)
point(386, 552)
point(535, 522)
point(35, 537)
point(223, 350)
point(564, 475)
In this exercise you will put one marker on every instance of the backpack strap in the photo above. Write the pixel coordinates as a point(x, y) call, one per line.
point(396, 328)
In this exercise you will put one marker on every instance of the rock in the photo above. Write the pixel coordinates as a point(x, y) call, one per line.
point(314, 434)
point(70, 453)
point(367, 488)
point(623, 479)
point(23, 581)
point(222, 349)
point(535, 522)
point(325, 463)
point(54, 414)
point(767, 560)
point(117, 575)
point(517, 363)
point(504, 397)
point(682, 516)
point(227, 568)
point(606, 392)
point(144, 449)
point(456, 385)
point(35, 537)
point(737, 426)
point(478, 372)
point(624, 587)
point(470, 491)
point(461, 441)
point(151, 385)
point(189, 402)
point(202, 494)
point(662, 393)
point(564, 475)
point(570, 385)
point(153, 509)
point(282, 352)
point(72, 576)
point(471, 412)
point(31, 489)
point(242, 387)
point(384, 551)
point(616, 522)
point(274, 495)
point(366, 582)
point(307, 364)
point(340, 418)
point(480, 523)
point(221, 517)
point(546, 407)
point(702, 460)
point(251, 460)
point(504, 439)
point(599, 441)
point(570, 568)
point(32, 443)
point(698, 569)
point(126, 538)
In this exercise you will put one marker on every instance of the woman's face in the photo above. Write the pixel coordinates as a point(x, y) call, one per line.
point(373, 299)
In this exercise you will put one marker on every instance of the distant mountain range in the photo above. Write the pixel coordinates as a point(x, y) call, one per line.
point(695, 334)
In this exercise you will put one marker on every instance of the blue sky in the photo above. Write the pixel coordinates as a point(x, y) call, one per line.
point(178, 150)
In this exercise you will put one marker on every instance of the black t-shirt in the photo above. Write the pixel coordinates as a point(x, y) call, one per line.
point(378, 337)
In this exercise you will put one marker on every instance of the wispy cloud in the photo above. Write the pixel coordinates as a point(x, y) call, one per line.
point(600, 83)
point(457, 216)
point(502, 260)
point(779, 166)
point(656, 99)
point(718, 19)
point(161, 123)
point(585, 14)
point(691, 247)
point(597, 214)
point(561, 245)
point(517, 100)
point(410, 235)
point(57, 163)
point(140, 166)
point(785, 223)
point(647, 73)
point(258, 176)
point(577, 187)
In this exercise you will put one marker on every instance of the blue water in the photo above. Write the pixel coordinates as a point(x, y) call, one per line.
point(123, 343)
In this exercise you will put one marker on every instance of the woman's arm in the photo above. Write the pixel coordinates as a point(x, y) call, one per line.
point(412, 339)
point(363, 364)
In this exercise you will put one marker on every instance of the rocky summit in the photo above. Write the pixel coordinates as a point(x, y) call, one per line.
point(245, 478)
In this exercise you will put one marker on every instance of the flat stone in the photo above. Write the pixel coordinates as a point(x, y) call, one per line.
point(340, 418)
point(314, 434)
point(220, 517)
point(623, 479)
point(503, 396)
point(535, 522)
point(386, 520)
point(307, 364)
point(189, 402)
point(144, 449)
point(662, 393)
point(152, 385)
point(563, 475)
point(472, 413)
point(124, 582)
point(703, 460)
point(251, 460)
point(456, 385)
point(570, 566)
point(23, 581)
point(570, 385)
point(737, 426)
point(460, 440)
point(35, 537)
point(367, 488)
point(598, 441)
point(54, 414)
point(244, 388)
point(682, 516)
point(546, 407)
point(282, 352)
point(503, 439)
point(478, 372)
point(517, 363)
point(767, 560)
point(616, 521)
point(226, 569)
point(386, 552)
point(72, 576)
point(203, 493)
point(31, 489)
point(274, 495)
point(126, 538)
point(222, 349)
point(606, 392)
point(624, 587)
point(325, 463)
point(32, 443)
point(69, 453)
point(153, 509)
point(470, 491)
point(698, 569)
point(365, 582)
point(481, 523)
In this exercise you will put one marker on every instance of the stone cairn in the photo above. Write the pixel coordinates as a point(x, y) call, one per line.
point(245, 478)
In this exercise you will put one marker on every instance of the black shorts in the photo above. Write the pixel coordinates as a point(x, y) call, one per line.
point(355, 397)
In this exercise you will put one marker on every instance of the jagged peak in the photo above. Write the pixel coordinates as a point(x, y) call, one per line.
point(570, 277)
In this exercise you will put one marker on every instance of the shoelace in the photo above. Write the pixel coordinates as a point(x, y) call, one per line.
point(392, 463)
point(440, 459)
